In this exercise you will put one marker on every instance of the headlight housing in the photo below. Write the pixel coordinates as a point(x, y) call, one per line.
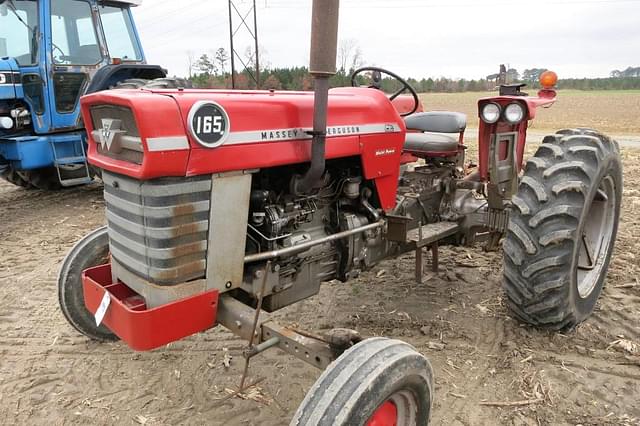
point(490, 113)
point(514, 113)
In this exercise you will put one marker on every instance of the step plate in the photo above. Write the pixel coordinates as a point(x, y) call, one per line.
point(76, 181)
point(70, 160)
point(431, 233)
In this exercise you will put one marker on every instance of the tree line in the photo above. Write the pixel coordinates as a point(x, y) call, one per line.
point(213, 71)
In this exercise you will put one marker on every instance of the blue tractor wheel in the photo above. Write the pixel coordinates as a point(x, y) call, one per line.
point(45, 179)
point(12, 176)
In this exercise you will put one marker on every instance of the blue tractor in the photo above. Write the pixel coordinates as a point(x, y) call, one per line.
point(51, 53)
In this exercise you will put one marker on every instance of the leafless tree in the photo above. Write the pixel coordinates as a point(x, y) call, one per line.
point(191, 60)
point(357, 60)
point(349, 55)
point(250, 60)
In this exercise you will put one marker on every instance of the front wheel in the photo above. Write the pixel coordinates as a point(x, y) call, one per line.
point(378, 382)
point(562, 229)
point(92, 250)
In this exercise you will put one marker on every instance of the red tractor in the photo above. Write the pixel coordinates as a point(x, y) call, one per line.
point(224, 206)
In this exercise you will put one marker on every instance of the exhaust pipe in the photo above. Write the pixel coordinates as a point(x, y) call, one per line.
point(324, 47)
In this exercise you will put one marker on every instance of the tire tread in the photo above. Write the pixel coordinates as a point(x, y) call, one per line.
point(541, 236)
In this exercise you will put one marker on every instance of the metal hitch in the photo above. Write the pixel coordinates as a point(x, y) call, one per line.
point(238, 318)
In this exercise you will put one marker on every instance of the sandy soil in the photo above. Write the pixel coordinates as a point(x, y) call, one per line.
point(50, 374)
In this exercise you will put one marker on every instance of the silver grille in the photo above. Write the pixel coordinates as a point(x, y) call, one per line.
point(158, 229)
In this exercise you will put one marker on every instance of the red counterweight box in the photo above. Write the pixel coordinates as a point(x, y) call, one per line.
point(144, 329)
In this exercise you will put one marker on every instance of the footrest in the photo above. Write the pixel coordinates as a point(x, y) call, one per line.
point(71, 160)
point(76, 181)
point(72, 148)
point(141, 328)
point(429, 234)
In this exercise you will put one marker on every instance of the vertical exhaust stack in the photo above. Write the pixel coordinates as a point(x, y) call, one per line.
point(324, 47)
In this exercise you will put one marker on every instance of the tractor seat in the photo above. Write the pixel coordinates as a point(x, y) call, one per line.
point(429, 143)
point(429, 133)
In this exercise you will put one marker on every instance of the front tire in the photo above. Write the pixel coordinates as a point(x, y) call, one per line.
point(377, 382)
point(562, 229)
point(92, 250)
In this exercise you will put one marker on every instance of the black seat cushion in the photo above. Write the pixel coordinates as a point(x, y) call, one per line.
point(424, 143)
point(437, 121)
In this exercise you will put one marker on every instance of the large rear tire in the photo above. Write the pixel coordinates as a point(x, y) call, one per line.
point(92, 250)
point(12, 176)
point(45, 178)
point(376, 382)
point(158, 83)
point(562, 229)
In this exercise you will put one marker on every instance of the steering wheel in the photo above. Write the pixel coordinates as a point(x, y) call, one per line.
point(377, 80)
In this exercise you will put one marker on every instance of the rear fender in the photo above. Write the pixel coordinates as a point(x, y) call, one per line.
point(109, 75)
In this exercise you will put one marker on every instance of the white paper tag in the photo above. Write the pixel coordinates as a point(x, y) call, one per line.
point(102, 309)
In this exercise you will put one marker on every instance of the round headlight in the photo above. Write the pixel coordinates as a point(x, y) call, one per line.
point(6, 123)
point(490, 113)
point(514, 113)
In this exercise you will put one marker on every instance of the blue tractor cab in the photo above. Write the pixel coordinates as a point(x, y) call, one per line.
point(51, 53)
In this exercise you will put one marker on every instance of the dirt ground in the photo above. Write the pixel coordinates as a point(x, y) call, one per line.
point(49, 374)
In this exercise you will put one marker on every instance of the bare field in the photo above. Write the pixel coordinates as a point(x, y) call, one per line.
point(51, 375)
point(614, 112)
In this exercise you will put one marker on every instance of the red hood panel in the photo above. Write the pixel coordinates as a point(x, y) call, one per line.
point(266, 129)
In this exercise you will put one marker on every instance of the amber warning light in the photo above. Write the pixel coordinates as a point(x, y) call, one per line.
point(548, 79)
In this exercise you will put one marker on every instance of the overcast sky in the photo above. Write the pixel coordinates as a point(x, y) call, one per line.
point(417, 38)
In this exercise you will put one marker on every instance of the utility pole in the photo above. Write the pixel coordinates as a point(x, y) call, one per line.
point(255, 30)
point(233, 62)
point(234, 14)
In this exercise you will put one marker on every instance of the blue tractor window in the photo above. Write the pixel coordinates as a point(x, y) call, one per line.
point(18, 31)
point(119, 32)
point(73, 33)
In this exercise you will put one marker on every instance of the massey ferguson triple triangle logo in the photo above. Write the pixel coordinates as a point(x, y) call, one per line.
point(110, 129)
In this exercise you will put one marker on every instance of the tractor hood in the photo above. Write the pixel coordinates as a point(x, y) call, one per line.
point(194, 132)
point(9, 78)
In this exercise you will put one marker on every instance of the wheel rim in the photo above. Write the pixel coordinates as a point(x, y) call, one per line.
point(594, 242)
point(399, 410)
